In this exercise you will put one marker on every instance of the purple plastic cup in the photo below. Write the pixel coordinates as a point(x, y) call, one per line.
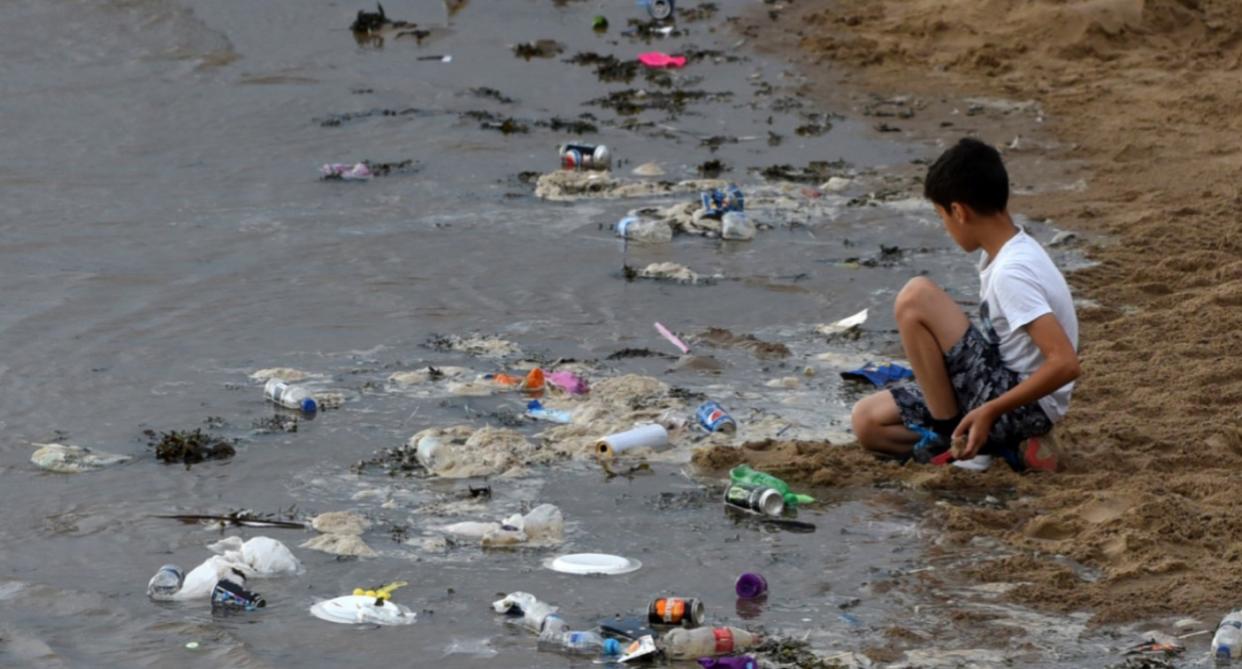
point(750, 585)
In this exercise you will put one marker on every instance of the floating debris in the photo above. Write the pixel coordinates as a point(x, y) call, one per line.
point(348, 545)
point(480, 345)
point(190, 447)
point(712, 169)
point(492, 94)
point(544, 48)
point(608, 68)
point(280, 422)
point(816, 171)
point(633, 101)
point(240, 518)
point(340, 522)
point(66, 459)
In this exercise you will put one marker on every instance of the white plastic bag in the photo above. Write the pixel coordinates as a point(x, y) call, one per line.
point(263, 557)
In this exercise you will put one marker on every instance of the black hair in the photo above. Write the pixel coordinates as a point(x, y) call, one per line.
point(970, 173)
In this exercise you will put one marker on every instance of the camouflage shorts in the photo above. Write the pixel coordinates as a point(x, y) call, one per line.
point(978, 376)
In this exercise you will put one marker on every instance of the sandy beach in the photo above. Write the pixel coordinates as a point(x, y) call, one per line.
point(1135, 100)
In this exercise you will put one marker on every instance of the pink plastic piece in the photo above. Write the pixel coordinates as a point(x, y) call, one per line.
point(657, 60)
point(672, 338)
point(569, 382)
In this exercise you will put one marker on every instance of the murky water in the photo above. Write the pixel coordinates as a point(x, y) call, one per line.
point(165, 234)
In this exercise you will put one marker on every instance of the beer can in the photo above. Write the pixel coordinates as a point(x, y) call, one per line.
point(585, 157)
point(714, 418)
point(676, 611)
point(767, 501)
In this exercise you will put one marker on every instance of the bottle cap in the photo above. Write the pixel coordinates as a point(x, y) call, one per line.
point(612, 647)
point(309, 405)
point(624, 224)
point(750, 585)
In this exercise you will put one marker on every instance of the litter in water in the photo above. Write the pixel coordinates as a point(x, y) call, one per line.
point(66, 459)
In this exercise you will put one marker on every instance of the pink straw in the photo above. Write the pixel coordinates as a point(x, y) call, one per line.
point(672, 338)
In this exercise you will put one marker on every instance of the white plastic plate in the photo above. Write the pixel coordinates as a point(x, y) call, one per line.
point(593, 563)
point(359, 610)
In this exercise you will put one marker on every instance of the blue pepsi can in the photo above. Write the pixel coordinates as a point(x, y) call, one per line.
point(714, 418)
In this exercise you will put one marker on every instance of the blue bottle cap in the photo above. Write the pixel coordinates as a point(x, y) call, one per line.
point(309, 405)
point(612, 647)
point(624, 224)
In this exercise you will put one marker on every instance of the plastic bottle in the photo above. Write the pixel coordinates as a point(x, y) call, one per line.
point(1227, 644)
point(166, 582)
point(290, 397)
point(544, 523)
point(746, 476)
point(536, 410)
point(578, 643)
point(687, 644)
point(533, 611)
point(552, 625)
point(644, 229)
point(737, 226)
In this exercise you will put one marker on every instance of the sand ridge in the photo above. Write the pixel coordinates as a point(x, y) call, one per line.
point(1140, 98)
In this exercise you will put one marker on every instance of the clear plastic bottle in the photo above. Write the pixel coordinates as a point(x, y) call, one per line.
point(640, 229)
point(166, 582)
point(687, 644)
point(290, 397)
point(578, 643)
point(1227, 644)
point(534, 612)
point(737, 226)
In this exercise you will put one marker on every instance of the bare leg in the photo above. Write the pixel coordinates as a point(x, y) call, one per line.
point(930, 323)
point(877, 424)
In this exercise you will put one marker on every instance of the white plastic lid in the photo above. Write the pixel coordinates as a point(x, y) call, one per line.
point(593, 563)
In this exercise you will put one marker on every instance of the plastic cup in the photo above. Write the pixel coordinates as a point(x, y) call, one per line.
point(751, 585)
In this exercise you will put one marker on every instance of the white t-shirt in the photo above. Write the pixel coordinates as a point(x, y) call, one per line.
point(1018, 286)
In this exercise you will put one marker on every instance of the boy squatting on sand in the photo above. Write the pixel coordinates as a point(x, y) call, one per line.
point(997, 388)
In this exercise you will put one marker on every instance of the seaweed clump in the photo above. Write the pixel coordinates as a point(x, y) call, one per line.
point(398, 461)
point(189, 446)
point(793, 653)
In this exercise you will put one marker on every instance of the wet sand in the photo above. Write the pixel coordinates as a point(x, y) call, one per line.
point(1134, 101)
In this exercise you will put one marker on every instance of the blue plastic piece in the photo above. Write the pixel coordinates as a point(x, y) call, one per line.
point(309, 405)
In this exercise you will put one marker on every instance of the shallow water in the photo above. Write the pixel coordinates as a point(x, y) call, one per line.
point(165, 235)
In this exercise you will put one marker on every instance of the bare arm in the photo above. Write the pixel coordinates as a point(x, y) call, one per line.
point(1060, 367)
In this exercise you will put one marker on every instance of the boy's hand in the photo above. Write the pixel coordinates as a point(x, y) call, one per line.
point(975, 427)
